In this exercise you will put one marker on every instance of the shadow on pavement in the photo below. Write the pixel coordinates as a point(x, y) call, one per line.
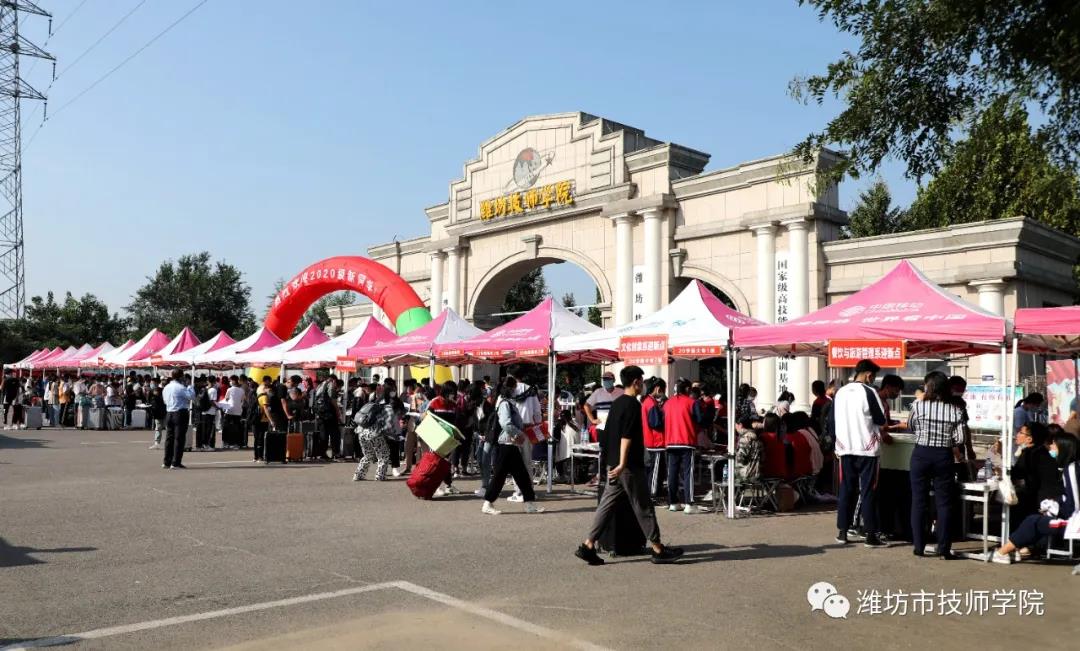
point(11, 556)
point(9, 442)
point(709, 553)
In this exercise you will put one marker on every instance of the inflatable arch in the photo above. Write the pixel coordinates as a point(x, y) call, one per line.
point(354, 273)
point(385, 288)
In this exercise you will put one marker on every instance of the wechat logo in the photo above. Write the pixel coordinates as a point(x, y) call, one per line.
point(823, 596)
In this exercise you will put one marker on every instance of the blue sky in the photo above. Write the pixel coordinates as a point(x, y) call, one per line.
point(276, 133)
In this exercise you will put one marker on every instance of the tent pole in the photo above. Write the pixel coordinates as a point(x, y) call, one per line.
point(733, 441)
point(552, 397)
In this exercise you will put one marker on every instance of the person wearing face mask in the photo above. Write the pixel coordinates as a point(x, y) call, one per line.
point(652, 424)
point(1053, 513)
point(957, 386)
point(1035, 474)
point(599, 403)
point(507, 459)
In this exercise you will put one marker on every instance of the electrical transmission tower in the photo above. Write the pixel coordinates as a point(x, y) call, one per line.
point(12, 91)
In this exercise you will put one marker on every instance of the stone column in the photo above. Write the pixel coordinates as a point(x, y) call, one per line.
point(991, 299)
point(437, 282)
point(453, 283)
point(624, 268)
point(765, 369)
point(798, 280)
point(654, 258)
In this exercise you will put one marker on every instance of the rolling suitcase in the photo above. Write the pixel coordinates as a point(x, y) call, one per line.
point(310, 430)
point(428, 475)
point(294, 446)
point(32, 417)
point(274, 447)
point(138, 419)
point(114, 418)
point(349, 443)
point(95, 418)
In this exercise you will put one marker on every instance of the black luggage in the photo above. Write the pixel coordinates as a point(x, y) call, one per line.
point(310, 429)
point(274, 447)
point(349, 443)
point(623, 536)
point(114, 418)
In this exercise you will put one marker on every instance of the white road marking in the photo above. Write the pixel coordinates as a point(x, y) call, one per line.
point(412, 588)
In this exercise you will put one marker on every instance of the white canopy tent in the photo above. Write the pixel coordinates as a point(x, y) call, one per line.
point(275, 355)
point(369, 331)
point(224, 357)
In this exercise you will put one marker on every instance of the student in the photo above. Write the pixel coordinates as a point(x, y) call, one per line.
point(774, 459)
point(653, 431)
point(750, 453)
point(1028, 411)
point(507, 459)
point(820, 400)
point(599, 403)
point(625, 456)
point(157, 412)
point(856, 419)
point(680, 439)
point(1053, 514)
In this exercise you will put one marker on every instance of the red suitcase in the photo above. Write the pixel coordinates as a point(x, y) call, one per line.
point(428, 475)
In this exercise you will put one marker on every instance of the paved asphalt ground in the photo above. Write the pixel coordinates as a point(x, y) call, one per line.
point(96, 538)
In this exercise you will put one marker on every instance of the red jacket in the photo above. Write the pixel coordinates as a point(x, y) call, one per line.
point(803, 464)
point(654, 439)
point(774, 458)
point(679, 427)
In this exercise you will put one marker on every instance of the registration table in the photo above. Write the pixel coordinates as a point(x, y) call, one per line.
point(978, 492)
point(586, 451)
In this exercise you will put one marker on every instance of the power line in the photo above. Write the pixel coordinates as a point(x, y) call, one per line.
point(98, 42)
point(121, 64)
point(33, 64)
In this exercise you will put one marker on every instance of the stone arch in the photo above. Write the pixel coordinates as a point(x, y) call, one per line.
point(497, 280)
point(721, 282)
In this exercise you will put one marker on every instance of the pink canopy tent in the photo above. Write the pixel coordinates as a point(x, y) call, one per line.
point(187, 357)
point(225, 356)
point(903, 304)
point(368, 332)
point(69, 354)
point(417, 347)
point(182, 342)
point(527, 338)
point(275, 355)
point(102, 359)
point(1052, 330)
point(138, 354)
point(93, 353)
point(44, 360)
point(25, 361)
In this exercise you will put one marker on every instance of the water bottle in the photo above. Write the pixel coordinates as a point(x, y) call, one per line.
point(988, 470)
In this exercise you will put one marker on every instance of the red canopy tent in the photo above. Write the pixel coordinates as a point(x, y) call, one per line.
point(904, 304)
point(1054, 330)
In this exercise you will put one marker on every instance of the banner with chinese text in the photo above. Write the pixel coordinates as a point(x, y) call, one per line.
point(644, 349)
point(886, 353)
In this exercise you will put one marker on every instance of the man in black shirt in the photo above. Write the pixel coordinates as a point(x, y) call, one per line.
point(624, 454)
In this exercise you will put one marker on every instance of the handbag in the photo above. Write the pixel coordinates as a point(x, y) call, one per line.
point(1007, 492)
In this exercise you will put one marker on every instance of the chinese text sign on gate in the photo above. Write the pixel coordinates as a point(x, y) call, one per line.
point(886, 353)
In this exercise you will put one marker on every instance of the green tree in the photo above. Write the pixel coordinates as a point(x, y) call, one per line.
point(922, 67)
point(526, 293)
point(193, 292)
point(1001, 170)
point(73, 322)
point(874, 214)
point(594, 312)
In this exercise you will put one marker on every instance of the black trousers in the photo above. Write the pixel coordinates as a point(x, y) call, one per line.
point(176, 425)
point(634, 486)
point(508, 461)
point(259, 430)
point(331, 431)
point(931, 465)
point(858, 482)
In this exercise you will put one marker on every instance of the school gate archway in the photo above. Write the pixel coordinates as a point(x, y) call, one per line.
point(641, 217)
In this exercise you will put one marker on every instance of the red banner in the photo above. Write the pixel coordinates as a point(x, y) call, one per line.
point(346, 364)
point(644, 349)
point(886, 353)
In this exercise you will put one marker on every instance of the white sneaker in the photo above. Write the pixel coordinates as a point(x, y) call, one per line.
point(451, 490)
point(1003, 559)
point(155, 446)
point(357, 477)
point(693, 510)
point(396, 472)
point(708, 497)
point(675, 507)
point(480, 492)
point(439, 492)
point(516, 498)
point(489, 509)
point(531, 507)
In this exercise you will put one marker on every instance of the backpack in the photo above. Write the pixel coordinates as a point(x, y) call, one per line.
point(369, 416)
point(493, 429)
point(656, 416)
point(204, 401)
point(324, 406)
